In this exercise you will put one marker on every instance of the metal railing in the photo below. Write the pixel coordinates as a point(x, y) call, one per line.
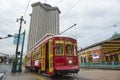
point(104, 65)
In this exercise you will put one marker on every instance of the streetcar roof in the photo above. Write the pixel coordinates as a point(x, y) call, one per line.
point(42, 40)
point(63, 36)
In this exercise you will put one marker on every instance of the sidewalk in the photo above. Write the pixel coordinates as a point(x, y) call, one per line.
point(24, 75)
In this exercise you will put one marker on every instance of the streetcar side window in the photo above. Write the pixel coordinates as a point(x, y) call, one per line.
point(68, 49)
point(39, 52)
point(32, 56)
point(50, 47)
point(35, 54)
point(59, 49)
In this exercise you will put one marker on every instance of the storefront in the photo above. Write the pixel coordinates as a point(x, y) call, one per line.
point(105, 51)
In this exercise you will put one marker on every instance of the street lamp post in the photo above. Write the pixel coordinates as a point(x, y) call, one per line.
point(14, 67)
point(21, 55)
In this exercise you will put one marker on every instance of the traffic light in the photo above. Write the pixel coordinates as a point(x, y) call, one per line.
point(18, 53)
point(9, 35)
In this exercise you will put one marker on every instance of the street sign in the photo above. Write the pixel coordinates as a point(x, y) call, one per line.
point(16, 38)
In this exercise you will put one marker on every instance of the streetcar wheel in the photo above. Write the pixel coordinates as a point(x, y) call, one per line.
point(26, 69)
point(39, 71)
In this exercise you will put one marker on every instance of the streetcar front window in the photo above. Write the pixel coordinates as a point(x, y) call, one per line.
point(75, 50)
point(68, 49)
point(59, 49)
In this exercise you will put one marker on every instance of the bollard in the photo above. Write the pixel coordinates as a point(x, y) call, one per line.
point(100, 64)
point(113, 66)
point(91, 65)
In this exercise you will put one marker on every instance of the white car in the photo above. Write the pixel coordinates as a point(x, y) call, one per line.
point(2, 76)
point(3, 71)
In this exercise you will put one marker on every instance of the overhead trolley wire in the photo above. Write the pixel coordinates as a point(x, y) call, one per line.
point(71, 7)
point(26, 8)
point(6, 14)
point(45, 1)
point(59, 2)
point(2, 32)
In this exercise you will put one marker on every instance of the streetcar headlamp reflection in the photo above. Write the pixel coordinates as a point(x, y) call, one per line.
point(70, 62)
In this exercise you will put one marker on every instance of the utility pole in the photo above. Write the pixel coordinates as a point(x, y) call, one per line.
point(14, 67)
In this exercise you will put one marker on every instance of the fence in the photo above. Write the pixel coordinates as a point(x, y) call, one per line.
point(102, 65)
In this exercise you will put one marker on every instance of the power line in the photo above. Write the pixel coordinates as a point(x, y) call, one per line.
point(5, 23)
point(7, 14)
point(4, 12)
point(71, 8)
point(45, 1)
point(8, 25)
point(3, 32)
point(58, 2)
point(14, 2)
point(12, 6)
point(26, 8)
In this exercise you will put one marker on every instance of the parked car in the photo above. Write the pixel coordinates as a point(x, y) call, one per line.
point(3, 71)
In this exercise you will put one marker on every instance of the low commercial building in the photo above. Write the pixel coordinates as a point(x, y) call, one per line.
point(105, 51)
point(4, 58)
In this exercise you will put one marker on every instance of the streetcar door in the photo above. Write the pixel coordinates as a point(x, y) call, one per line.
point(43, 57)
point(47, 57)
point(50, 56)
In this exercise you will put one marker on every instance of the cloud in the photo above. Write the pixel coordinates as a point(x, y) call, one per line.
point(94, 19)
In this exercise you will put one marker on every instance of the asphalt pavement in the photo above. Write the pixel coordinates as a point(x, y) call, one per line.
point(5, 74)
point(84, 74)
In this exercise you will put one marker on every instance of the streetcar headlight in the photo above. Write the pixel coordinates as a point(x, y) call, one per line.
point(70, 62)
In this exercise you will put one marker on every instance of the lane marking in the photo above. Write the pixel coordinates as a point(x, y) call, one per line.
point(38, 77)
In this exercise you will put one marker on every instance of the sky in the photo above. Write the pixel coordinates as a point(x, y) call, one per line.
point(95, 20)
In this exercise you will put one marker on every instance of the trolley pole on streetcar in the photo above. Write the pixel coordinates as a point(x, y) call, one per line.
point(14, 67)
point(68, 28)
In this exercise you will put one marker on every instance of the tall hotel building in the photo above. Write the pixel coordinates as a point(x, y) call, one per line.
point(44, 19)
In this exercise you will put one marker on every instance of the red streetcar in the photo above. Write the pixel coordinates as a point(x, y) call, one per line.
point(53, 55)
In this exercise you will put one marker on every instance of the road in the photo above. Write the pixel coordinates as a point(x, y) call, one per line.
point(3, 70)
point(96, 74)
point(87, 74)
point(84, 74)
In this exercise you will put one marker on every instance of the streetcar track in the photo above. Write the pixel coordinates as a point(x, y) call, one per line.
point(63, 77)
point(38, 77)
